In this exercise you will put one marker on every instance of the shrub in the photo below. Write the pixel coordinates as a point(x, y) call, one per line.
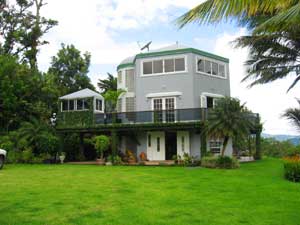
point(224, 162)
point(209, 161)
point(130, 156)
point(117, 159)
point(101, 144)
point(143, 156)
point(227, 162)
point(291, 166)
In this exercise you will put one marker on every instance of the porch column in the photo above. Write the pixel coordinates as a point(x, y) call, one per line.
point(203, 148)
point(114, 144)
point(257, 139)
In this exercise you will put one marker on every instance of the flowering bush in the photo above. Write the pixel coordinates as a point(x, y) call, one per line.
point(291, 166)
point(143, 156)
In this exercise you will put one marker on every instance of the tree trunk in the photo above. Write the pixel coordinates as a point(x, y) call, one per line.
point(225, 142)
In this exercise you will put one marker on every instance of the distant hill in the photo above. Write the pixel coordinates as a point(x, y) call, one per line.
point(283, 137)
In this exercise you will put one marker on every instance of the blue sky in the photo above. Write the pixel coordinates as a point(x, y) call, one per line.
point(110, 30)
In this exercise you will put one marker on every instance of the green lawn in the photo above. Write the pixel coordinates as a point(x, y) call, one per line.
point(89, 194)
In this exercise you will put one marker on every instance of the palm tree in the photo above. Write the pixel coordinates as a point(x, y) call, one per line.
point(227, 120)
point(281, 13)
point(274, 34)
point(33, 132)
point(112, 97)
point(293, 115)
point(110, 83)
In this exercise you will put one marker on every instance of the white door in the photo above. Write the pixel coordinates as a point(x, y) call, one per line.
point(156, 146)
point(164, 109)
point(183, 142)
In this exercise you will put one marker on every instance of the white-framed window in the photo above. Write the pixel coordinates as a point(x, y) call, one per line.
point(209, 100)
point(119, 77)
point(166, 65)
point(210, 67)
point(164, 109)
point(215, 146)
point(74, 105)
point(99, 105)
point(129, 80)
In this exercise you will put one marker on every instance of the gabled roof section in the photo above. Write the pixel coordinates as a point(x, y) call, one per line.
point(84, 93)
point(169, 50)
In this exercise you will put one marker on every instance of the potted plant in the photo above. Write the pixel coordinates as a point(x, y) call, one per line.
point(101, 144)
point(62, 157)
point(131, 159)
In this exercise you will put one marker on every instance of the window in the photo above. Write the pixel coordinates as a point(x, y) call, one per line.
point(182, 143)
point(163, 66)
point(149, 140)
point(170, 106)
point(215, 146)
point(98, 104)
point(158, 144)
point(147, 68)
point(120, 77)
point(158, 66)
point(130, 104)
point(200, 65)
point(211, 68)
point(119, 105)
point(221, 70)
point(169, 65)
point(214, 68)
point(71, 105)
point(82, 104)
point(207, 67)
point(129, 77)
point(179, 64)
point(65, 106)
point(210, 102)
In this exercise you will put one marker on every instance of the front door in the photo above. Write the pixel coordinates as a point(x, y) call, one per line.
point(156, 145)
point(171, 145)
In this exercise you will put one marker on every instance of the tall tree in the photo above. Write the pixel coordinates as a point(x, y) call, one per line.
point(229, 119)
point(22, 27)
point(109, 83)
point(274, 34)
point(69, 69)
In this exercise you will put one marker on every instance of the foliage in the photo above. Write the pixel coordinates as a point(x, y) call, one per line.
point(112, 97)
point(273, 148)
point(101, 143)
point(143, 156)
point(108, 84)
point(209, 161)
point(68, 70)
point(273, 39)
point(227, 162)
point(293, 115)
point(229, 119)
point(292, 168)
point(224, 162)
point(22, 28)
point(116, 160)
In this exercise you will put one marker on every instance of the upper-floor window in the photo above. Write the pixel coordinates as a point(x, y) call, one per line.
point(163, 66)
point(98, 104)
point(129, 80)
point(119, 77)
point(210, 67)
point(72, 105)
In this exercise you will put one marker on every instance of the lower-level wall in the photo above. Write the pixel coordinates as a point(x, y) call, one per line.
point(194, 142)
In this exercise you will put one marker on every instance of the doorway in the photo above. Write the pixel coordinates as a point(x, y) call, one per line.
point(171, 145)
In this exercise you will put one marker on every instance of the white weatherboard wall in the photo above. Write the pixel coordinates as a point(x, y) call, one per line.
point(183, 142)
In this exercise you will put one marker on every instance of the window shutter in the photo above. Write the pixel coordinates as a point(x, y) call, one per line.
point(203, 101)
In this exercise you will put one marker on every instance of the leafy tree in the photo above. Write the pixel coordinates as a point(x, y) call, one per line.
point(227, 120)
point(112, 97)
point(68, 70)
point(22, 27)
point(107, 84)
point(21, 93)
point(293, 115)
point(273, 39)
point(101, 144)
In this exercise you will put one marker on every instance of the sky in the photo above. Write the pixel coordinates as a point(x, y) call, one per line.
point(111, 29)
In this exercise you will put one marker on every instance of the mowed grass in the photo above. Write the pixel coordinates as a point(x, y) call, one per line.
point(89, 194)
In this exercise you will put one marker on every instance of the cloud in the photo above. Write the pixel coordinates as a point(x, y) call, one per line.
point(269, 100)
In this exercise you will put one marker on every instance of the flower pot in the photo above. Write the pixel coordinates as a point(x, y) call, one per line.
point(100, 161)
point(62, 158)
